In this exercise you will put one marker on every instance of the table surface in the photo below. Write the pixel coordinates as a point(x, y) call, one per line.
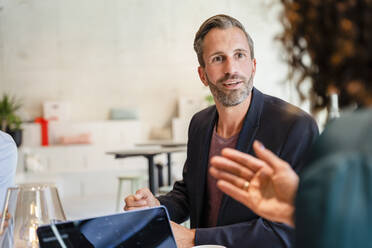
point(163, 143)
point(147, 151)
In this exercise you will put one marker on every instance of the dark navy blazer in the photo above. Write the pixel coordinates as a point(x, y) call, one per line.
point(284, 129)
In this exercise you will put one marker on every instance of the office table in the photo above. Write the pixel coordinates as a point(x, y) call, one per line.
point(164, 144)
point(149, 154)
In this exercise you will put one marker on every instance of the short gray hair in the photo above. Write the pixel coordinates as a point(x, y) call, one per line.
point(221, 22)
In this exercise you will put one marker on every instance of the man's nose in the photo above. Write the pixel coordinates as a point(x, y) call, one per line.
point(230, 66)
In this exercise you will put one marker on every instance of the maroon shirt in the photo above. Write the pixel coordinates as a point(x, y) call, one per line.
point(214, 194)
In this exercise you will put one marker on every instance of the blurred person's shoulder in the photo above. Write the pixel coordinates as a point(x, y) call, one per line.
point(359, 120)
point(349, 133)
point(7, 142)
point(350, 130)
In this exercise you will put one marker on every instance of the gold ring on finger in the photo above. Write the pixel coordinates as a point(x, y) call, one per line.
point(246, 185)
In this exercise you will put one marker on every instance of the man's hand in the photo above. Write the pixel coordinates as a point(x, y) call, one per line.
point(184, 237)
point(272, 182)
point(142, 199)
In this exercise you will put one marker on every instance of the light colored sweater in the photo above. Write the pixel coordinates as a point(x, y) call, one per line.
point(8, 164)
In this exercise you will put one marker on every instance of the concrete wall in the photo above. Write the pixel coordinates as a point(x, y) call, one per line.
point(100, 54)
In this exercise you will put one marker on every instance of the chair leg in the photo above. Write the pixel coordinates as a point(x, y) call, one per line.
point(118, 197)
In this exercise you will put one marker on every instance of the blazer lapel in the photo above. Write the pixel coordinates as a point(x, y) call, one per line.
point(205, 134)
point(251, 123)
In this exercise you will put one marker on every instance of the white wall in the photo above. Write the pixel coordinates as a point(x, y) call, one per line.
point(100, 54)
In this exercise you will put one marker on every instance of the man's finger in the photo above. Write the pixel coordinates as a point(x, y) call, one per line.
point(232, 167)
point(138, 203)
point(134, 208)
point(221, 175)
point(138, 196)
point(235, 192)
point(269, 157)
point(132, 202)
point(143, 193)
point(244, 159)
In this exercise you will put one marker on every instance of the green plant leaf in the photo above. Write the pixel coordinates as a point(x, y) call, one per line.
point(8, 117)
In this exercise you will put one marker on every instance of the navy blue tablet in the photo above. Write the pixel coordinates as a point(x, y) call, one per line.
point(145, 228)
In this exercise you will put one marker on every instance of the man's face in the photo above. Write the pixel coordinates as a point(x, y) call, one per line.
point(229, 69)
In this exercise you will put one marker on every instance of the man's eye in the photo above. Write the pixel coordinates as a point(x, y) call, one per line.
point(240, 55)
point(217, 59)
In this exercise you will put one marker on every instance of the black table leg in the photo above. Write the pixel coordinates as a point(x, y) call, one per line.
point(150, 159)
point(169, 168)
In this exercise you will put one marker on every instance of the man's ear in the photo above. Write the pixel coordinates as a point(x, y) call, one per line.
point(254, 67)
point(202, 75)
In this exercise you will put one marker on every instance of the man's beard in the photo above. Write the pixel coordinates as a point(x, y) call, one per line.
point(232, 97)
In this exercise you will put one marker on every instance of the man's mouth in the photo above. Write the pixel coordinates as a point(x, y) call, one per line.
point(231, 85)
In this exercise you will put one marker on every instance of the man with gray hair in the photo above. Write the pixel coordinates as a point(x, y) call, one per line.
point(241, 115)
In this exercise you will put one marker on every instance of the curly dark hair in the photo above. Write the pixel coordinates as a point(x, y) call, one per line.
point(329, 42)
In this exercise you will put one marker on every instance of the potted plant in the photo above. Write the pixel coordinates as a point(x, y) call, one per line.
point(10, 122)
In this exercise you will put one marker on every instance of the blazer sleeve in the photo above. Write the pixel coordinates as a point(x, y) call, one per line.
point(256, 233)
point(176, 201)
point(260, 232)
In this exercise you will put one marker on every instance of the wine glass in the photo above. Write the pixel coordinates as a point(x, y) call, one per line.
point(28, 206)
